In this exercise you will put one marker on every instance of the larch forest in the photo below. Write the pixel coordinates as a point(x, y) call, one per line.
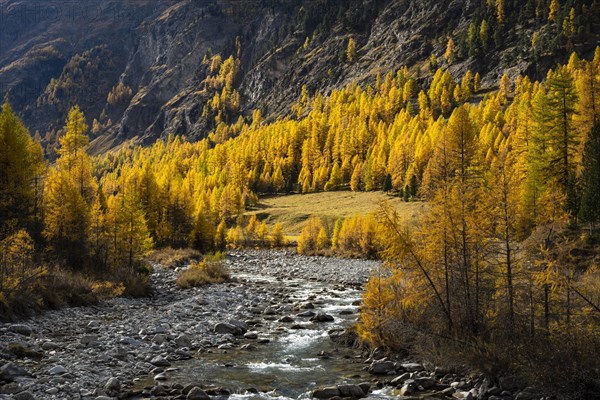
point(492, 290)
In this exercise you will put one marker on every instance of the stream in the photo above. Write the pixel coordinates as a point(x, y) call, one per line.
point(291, 358)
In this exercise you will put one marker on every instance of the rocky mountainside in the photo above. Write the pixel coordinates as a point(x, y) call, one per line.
point(136, 67)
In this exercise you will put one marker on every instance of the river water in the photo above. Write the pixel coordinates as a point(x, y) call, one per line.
point(298, 357)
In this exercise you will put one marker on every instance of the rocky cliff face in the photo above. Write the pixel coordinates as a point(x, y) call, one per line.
point(136, 66)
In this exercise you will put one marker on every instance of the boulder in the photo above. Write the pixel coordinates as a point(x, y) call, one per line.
point(306, 314)
point(326, 392)
point(322, 317)
point(197, 394)
point(158, 391)
point(365, 386)
point(240, 324)
point(399, 380)
point(57, 370)
point(49, 346)
point(412, 367)
point(183, 341)
point(159, 339)
point(382, 367)
point(353, 391)
point(408, 388)
point(228, 328)
point(160, 361)
point(112, 386)
point(9, 372)
point(21, 329)
point(26, 395)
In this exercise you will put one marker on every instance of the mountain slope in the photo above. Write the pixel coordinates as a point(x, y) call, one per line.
point(57, 54)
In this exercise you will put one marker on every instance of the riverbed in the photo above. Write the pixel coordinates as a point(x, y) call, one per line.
point(170, 338)
point(278, 331)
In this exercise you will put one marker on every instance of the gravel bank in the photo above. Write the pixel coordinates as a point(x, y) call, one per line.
point(90, 352)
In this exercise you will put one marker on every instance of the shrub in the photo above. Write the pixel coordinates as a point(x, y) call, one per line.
point(308, 240)
point(173, 258)
point(277, 237)
point(203, 273)
point(357, 237)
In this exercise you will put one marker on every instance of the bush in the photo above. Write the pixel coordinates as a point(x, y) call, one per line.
point(277, 237)
point(209, 270)
point(169, 257)
point(313, 237)
point(357, 237)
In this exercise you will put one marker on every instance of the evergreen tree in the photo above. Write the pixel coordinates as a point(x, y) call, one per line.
point(590, 199)
point(21, 165)
point(70, 193)
point(351, 50)
point(556, 139)
point(450, 51)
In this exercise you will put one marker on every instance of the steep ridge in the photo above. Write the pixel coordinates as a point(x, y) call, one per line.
point(55, 53)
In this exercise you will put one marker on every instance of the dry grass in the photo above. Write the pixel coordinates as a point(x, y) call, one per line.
point(203, 273)
point(292, 211)
point(169, 257)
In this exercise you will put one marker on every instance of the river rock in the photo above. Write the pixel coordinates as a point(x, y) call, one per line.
point(160, 377)
point(160, 361)
point(197, 394)
point(10, 388)
point(49, 346)
point(365, 386)
point(399, 380)
point(240, 324)
point(408, 388)
point(158, 391)
point(326, 393)
point(426, 382)
point(306, 314)
point(493, 391)
point(382, 367)
point(322, 317)
point(251, 335)
point(26, 395)
point(21, 329)
point(9, 372)
point(159, 339)
point(269, 311)
point(227, 328)
point(183, 341)
point(113, 386)
point(353, 391)
point(287, 318)
point(462, 395)
point(89, 340)
point(57, 370)
point(412, 367)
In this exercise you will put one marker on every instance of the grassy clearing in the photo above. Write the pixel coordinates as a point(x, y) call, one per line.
point(292, 211)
